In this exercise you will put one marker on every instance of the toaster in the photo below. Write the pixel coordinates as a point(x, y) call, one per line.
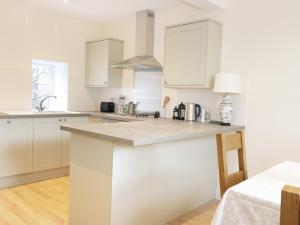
point(108, 107)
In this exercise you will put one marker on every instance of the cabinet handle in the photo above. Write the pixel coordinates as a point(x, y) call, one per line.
point(166, 82)
point(60, 120)
point(8, 121)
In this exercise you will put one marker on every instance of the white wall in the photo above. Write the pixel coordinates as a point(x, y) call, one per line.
point(123, 30)
point(261, 41)
point(30, 33)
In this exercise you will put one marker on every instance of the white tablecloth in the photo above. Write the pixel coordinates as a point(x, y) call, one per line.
point(257, 200)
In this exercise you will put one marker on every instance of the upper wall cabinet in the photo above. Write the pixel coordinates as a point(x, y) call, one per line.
point(100, 55)
point(192, 54)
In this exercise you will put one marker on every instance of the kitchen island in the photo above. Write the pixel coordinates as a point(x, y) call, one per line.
point(141, 172)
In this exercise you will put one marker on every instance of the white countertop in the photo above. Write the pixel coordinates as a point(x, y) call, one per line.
point(31, 114)
point(149, 131)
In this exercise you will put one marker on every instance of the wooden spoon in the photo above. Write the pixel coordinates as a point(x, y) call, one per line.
point(166, 101)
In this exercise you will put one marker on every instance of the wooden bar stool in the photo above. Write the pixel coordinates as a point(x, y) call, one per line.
point(290, 206)
point(228, 142)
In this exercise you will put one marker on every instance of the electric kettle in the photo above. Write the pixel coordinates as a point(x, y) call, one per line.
point(192, 111)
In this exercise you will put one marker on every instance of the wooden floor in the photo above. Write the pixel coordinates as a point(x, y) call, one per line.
point(200, 216)
point(46, 203)
point(42, 203)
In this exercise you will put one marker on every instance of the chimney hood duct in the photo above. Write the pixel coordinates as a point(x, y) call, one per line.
point(144, 47)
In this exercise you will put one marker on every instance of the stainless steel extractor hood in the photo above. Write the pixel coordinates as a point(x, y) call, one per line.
point(144, 47)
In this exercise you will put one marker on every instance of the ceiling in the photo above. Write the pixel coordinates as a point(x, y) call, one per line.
point(101, 10)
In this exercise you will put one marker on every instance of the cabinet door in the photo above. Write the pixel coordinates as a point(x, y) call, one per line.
point(47, 144)
point(97, 63)
point(15, 146)
point(66, 138)
point(185, 59)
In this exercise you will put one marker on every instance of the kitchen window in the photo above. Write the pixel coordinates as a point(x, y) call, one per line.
point(50, 79)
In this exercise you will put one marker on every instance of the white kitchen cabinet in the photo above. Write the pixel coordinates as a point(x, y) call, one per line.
point(100, 56)
point(51, 146)
point(15, 146)
point(192, 54)
point(66, 138)
point(47, 144)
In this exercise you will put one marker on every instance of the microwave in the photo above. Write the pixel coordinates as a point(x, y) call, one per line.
point(108, 107)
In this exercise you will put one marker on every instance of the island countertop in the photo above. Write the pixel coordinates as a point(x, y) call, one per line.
point(149, 131)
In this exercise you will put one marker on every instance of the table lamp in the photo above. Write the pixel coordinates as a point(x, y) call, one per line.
point(227, 83)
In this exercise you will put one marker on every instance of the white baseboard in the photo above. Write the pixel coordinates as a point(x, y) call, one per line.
point(16, 180)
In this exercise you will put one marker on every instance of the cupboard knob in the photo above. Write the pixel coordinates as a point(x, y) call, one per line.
point(8, 121)
point(60, 120)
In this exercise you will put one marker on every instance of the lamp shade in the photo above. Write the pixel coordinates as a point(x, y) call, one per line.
point(227, 83)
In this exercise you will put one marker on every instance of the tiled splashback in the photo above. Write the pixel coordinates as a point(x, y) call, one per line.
point(150, 102)
point(151, 94)
point(147, 90)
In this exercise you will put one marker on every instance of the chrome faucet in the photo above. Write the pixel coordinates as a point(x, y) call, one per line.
point(41, 108)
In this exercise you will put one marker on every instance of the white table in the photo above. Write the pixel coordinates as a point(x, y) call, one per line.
point(257, 200)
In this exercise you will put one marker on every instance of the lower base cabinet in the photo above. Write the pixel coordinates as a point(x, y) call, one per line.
point(66, 138)
point(51, 146)
point(31, 145)
point(15, 146)
point(46, 144)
